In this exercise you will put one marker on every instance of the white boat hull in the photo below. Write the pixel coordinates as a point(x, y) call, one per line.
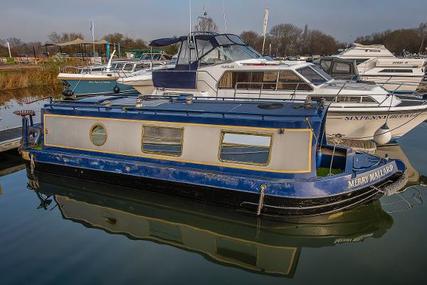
point(145, 89)
point(361, 125)
point(396, 84)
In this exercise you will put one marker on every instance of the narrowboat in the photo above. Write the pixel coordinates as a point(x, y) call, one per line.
point(222, 65)
point(268, 157)
point(223, 236)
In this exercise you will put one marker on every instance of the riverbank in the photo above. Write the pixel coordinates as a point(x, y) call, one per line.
point(19, 77)
point(43, 74)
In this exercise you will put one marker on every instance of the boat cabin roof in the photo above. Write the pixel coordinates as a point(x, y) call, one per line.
point(215, 38)
point(271, 113)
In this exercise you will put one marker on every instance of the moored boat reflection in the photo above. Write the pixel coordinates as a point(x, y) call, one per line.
point(224, 236)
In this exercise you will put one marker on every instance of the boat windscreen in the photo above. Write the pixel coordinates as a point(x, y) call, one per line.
point(228, 53)
point(314, 74)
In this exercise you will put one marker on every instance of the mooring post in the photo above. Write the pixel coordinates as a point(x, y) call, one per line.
point(24, 132)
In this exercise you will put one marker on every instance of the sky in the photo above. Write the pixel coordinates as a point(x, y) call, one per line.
point(34, 20)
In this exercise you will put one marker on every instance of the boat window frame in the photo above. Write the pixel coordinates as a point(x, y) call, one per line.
point(397, 70)
point(221, 139)
point(98, 124)
point(181, 142)
point(276, 88)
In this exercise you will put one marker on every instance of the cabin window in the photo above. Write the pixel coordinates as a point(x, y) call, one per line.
point(203, 47)
point(215, 56)
point(265, 80)
point(349, 99)
point(326, 65)
point(245, 148)
point(389, 70)
point(341, 68)
point(162, 140)
point(242, 80)
point(313, 76)
point(269, 80)
point(360, 60)
point(288, 80)
point(128, 67)
point(98, 134)
point(140, 66)
point(186, 55)
point(368, 100)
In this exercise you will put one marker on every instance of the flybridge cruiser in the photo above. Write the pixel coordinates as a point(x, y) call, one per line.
point(102, 79)
point(376, 63)
point(221, 65)
point(266, 157)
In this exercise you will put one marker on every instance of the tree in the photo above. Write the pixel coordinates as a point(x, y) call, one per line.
point(286, 38)
point(114, 38)
point(64, 37)
point(399, 41)
point(252, 39)
point(205, 24)
point(423, 31)
point(321, 44)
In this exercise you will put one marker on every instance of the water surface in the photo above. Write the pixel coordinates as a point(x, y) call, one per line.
point(59, 230)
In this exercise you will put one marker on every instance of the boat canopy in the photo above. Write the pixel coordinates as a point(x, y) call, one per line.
point(198, 50)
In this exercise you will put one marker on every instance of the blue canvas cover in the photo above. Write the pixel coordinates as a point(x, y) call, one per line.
point(172, 78)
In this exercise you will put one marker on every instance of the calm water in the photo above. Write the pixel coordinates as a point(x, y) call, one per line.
point(57, 230)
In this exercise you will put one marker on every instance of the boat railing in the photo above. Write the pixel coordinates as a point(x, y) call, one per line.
point(290, 92)
point(389, 81)
point(108, 105)
point(244, 88)
point(72, 69)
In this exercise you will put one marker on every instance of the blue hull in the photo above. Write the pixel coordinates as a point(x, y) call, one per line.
point(86, 87)
point(282, 196)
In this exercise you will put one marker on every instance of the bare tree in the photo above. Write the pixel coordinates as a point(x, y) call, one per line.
point(286, 38)
point(423, 30)
point(205, 24)
point(64, 37)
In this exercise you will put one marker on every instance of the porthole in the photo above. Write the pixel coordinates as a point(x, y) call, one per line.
point(98, 135)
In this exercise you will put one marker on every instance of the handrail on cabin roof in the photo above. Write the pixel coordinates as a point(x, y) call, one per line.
point(156, 110)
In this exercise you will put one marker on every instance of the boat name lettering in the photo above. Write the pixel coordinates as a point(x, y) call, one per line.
point(378, 117)
point(370, 177)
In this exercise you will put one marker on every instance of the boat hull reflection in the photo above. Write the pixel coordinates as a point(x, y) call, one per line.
point(224, 236)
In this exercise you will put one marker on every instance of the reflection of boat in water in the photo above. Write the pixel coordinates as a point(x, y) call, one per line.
point(10, 162)
point(395, 151)
point(223, 236)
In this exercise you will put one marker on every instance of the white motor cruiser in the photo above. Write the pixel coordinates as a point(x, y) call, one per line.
point(376, 63)
point(142, 80)
point(103, 79)
point(221, 65)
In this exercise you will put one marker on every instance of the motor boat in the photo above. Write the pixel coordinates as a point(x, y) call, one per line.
point(102, 79)
point(142, 80)
point(221, 65)
point(376, 63)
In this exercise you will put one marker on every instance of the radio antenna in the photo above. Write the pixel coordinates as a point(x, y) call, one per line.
point(225, 16)
point(189, 8)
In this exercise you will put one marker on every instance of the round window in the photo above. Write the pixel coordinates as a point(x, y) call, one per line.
point(98, 135)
